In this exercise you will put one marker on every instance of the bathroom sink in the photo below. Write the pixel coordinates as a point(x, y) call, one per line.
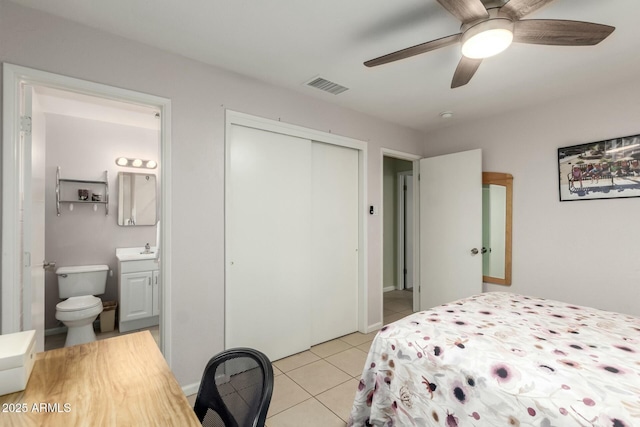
point(137, 253)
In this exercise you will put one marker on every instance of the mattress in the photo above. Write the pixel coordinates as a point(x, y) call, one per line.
point(500, 359)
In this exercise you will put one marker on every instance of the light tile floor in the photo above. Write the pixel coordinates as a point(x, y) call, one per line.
point(316, 388)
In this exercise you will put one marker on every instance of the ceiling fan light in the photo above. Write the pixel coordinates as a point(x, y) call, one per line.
point(487, 39)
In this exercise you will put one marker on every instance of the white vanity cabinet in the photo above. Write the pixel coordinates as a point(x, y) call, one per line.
point(138, 292)
point(136, 296)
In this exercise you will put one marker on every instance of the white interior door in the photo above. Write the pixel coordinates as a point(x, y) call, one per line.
point(334, 237)
point(33, 142)
point(267, 297)
point(408, 228)
point(450, 227)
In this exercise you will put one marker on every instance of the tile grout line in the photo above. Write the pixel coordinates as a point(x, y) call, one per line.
point(354, 377)
point(317, 355)
point(330, 410)
point(314, 396)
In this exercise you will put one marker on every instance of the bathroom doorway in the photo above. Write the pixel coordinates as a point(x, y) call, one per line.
point(82, 137)
point(77, 129)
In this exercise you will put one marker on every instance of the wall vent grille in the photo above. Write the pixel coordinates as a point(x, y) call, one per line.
point(326, 85)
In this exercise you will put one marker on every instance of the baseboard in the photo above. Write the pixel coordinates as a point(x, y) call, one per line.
point(63, 329)
point(374, 327)
point(389, 288)
point(190, 389)
point(55, 331)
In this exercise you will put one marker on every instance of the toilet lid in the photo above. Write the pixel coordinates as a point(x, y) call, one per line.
point(79, 303)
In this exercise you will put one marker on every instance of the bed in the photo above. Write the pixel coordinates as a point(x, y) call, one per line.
point(500, 359)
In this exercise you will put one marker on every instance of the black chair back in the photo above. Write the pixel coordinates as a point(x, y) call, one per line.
point(236, 389)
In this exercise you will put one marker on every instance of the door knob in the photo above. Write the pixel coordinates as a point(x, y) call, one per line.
point(474, 251)
point(484, 250)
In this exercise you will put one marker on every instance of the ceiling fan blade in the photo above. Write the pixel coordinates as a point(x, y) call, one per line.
point(517, 9)
point(467, 67)
point(414, 50)
point(465, 10)
point(560, 32)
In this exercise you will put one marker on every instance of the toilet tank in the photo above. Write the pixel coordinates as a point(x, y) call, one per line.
point(75, 281)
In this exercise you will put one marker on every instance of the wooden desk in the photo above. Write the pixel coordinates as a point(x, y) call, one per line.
point(121, 381)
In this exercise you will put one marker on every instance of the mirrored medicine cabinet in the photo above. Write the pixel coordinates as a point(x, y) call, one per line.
point(137, 199)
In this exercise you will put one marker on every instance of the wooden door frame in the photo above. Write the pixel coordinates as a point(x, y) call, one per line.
point(13, 77)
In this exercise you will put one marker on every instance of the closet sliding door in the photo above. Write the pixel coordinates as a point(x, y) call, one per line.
point(334, 241)
point(268, 261)
point(292, 222)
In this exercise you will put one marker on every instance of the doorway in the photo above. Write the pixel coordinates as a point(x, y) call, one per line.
point(78, 138)
point(23, 290)
point(398, 209)
point(447, 229)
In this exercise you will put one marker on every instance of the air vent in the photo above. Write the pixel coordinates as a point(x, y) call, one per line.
point(326, 85)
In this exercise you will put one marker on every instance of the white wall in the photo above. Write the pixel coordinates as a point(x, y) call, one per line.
point(199, 94)
point(84, 149)
point(584, 252)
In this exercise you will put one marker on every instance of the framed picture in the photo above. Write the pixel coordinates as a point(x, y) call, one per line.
point(600, 170)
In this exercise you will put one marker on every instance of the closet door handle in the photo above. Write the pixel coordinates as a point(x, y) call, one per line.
point(474, 251)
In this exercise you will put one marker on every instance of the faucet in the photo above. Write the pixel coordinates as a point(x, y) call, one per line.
point(147, 249)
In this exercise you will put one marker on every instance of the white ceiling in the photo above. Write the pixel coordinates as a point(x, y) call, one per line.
point(55, 101)
point(287, 42)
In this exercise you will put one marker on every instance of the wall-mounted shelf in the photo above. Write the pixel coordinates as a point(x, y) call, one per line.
point(74, 184)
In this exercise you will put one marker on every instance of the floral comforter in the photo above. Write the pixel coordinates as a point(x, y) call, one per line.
point(500, 359)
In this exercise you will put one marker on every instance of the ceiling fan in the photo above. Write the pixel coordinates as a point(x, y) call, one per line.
point(488, 30)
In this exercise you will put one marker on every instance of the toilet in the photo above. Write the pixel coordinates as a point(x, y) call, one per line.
point(79, 285)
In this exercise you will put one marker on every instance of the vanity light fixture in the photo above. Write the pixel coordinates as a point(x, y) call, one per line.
point(136, 163)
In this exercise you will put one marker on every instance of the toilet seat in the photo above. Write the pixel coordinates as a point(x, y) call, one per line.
point(78, 303)
point(76, 308)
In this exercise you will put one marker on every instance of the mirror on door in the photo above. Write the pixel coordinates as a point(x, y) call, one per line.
point(497, 194)
point(136, 199)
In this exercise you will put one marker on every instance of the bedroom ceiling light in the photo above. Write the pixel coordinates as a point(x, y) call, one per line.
point(136, 163)
point(487, 38)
